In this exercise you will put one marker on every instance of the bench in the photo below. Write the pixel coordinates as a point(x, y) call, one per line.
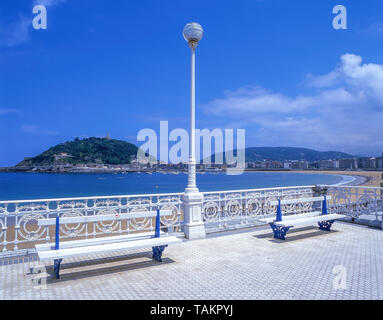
point(281, 225)
point(61, 250)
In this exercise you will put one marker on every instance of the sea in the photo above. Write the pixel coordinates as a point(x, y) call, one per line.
point(27, 186)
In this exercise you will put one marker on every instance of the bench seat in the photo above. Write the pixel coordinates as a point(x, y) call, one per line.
point(74, 248)
point(292, 217)
point(282, 223)
point(308, 220)
point(96, 241)
point(68, 252)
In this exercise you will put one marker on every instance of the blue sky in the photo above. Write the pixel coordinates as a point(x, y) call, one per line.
point(274, 67)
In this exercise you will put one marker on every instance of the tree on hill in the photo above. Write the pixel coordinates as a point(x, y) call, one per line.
point(86, 151)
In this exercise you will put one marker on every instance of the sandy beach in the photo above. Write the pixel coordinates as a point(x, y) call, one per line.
point(371, 178)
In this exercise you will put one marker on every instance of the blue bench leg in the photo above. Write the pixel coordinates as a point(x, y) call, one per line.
point(279, 232)
point(157, 252)
point(56, 270)
point(326, 225)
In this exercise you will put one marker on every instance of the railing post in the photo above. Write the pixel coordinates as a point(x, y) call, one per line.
point(279, 211)
point(324, 206)
point(319, 191)
point(158, 222)
point(57, 233)
point(193, 225)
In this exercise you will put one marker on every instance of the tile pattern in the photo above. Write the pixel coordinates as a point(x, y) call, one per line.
point(243, 265)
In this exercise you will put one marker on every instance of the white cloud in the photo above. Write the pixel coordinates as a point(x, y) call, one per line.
point(327, 80)
point(34, 129)
point(376, 27)
point(48, 3)
point(344, 113)
point(8, 111)
point(17, 32)
point(253, 99)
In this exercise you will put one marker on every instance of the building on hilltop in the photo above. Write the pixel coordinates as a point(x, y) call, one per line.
point(61, 156)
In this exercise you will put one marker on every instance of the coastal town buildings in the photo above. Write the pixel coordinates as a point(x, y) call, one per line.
point(361, 163)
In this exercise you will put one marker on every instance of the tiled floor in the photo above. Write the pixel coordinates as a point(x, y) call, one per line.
point(246, 265)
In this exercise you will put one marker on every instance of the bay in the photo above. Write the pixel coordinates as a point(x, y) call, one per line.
point(25, 186)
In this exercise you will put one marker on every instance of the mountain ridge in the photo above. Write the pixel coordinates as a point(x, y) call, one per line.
point(254, 154)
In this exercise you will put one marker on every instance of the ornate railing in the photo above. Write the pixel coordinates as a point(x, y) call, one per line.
point(19, 228)
point(221, 210)
point(359, 204)
point(242, 208)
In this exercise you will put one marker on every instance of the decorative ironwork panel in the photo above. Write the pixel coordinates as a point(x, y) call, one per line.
point(19, 228)
point(236, 209)
point(358, 203)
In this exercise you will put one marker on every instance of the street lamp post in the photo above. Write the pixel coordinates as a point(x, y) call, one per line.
point(193, 226)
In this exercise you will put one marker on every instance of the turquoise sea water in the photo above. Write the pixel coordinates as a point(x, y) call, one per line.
point(20, 186)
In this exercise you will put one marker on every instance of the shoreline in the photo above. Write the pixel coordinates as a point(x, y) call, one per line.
point(361, 178)
point(349, 178)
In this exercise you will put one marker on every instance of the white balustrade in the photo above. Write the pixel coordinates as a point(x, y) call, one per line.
point(18, 219)
point(359, 203)
point(221, 210)
point(243, 208)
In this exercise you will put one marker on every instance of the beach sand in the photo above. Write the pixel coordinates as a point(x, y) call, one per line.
point(372, 178)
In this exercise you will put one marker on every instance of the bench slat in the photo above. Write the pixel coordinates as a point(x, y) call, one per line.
point(88, 250)
point(96, 241)
point(309, 220)
point(291, 217)
point(299, 200)
point(105, 217)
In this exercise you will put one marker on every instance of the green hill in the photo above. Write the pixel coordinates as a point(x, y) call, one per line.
point(89, 150)
point(290, 153)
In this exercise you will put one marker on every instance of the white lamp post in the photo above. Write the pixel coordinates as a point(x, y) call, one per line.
point(193, 226)
point(193, 33)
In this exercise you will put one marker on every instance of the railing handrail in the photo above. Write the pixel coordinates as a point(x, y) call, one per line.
point(145, 195)
point(351, 187)
point(261, 189)
point(92, 198)
point(179, 194)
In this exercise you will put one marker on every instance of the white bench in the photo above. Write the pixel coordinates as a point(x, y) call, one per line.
point(61, 250)
point(281, 224)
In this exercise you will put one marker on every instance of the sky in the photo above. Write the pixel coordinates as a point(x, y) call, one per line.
point(276, 68)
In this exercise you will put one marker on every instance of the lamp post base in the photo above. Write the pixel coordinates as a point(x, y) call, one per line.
point(194, 231)
point(193, 226)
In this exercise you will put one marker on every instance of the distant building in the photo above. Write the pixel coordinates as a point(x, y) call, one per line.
point(62, 155)
point(287, 165)
point(301, 165)
point(379, 162)
point(251, 165)
point(326, 164)
point(348, 164)
point(367, 163)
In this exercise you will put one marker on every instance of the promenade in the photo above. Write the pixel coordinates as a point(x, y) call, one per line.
point(247, 264)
